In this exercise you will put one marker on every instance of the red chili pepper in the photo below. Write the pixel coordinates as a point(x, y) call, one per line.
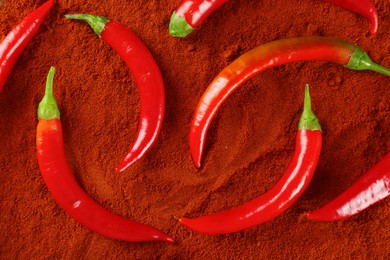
point(190, 14)
point(287, 190)
point(147, 75)
point(267, 56)
point(15, 42)
point(362, 7)
point(64, 187)
point(368, 190)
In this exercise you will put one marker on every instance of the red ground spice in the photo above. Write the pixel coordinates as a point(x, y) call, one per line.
point(250, 143)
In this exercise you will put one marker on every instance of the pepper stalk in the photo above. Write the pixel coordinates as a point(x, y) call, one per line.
point(48, 108)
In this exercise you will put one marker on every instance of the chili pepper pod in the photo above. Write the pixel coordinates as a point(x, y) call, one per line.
point(371, 188)
point(15, 42)
point(287, 190)
point(145, 72)
point(63, 186)
point(190, 14)
point(362, 7)
point(266, 56)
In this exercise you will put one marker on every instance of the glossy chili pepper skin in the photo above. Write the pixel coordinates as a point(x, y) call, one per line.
point(372, 187)
point(15, 42)
point(362, 7)
point(261, 58)
point(65, 189)
point(287, 190)
point(190, 14)
point(147, 75)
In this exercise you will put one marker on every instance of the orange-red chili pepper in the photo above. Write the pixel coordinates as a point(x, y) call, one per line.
point(15, 42)
point(63, 186)
point(267, 56)
point(371, 188)
point(147, 75)
point(287, 190)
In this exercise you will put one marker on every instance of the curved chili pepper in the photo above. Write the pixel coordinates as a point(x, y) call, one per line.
point(147, 75)
point(267, 56)
point(368, 190)
point(287, 190)
point(15, 42)
point(362, 7)
point(64, 187)
point(190, 14)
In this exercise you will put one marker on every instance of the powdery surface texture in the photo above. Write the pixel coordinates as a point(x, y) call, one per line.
point(249, 145)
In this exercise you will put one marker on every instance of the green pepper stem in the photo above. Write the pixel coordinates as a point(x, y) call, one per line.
point(47, 108)
point(178, 26)
point(378, 68)
point(308, 119)
point(361, 61)
point(98, 23)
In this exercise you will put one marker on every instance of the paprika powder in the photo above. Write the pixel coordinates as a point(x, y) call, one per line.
point(99, 101)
